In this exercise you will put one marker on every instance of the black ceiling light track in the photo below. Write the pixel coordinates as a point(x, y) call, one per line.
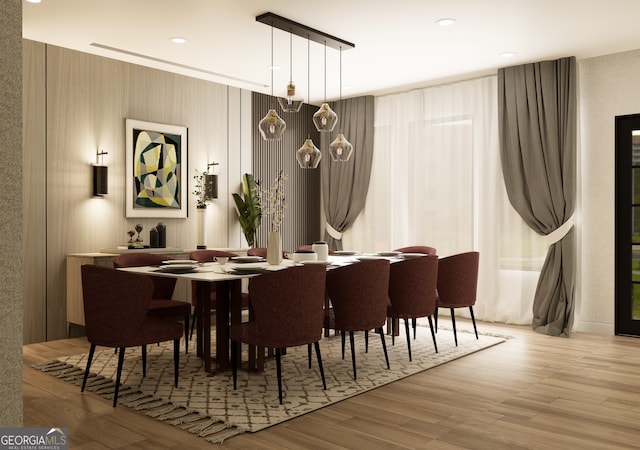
point(303, 31)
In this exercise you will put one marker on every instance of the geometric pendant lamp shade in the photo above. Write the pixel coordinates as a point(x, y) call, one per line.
point(272, 126)
point(340, 149)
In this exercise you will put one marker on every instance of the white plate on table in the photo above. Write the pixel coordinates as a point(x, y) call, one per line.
point(177, 268)
point(387, 254)
point(320, 263)
point(344, 252)
point(368, 258)
point(247, 259)
point(180, 261)
point(247, 270)
point(411, 255)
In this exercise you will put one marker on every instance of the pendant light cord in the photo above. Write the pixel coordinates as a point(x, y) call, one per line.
point(325, 71)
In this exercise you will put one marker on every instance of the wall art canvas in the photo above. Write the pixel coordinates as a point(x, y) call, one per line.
point(156, 170)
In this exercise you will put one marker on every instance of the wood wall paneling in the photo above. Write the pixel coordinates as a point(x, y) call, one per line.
point(34, 199)
point(302, 221)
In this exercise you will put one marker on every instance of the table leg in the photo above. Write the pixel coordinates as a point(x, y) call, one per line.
point(203, 323)
point(222, 324)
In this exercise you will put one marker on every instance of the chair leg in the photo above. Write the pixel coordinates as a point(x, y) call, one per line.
point(176, 360)
point(353, 354)
point(193, 325)
point(406, 328)
point(453, 321)
point(435, 317)
point(234, 363)
point(433, 334)
point(366, 341)
point(186, 334)
point(118, 375)
point(343, 334)
point(393, 331)
point(309, 354)
point(473, 319)
point(384, 346)
point(317, 346)
point(414, 323)
point(144, 361)
point(279, 372)
point(86, 371)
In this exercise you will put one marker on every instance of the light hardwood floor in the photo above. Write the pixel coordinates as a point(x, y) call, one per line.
point(534, 391)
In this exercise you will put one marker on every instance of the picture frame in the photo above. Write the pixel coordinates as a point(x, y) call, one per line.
point(156, 170)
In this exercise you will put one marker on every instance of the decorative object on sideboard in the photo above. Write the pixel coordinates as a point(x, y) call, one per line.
point(291, 103)
point(272, 126)
point(248, 209)
point(340, 149)
point(162, 235)
point(100, 175)
point(139, 241)
point(156, 170)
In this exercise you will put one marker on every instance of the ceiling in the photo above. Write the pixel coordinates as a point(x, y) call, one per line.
point(398, 45)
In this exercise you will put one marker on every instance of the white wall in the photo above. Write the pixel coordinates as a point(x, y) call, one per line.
point(609, 86)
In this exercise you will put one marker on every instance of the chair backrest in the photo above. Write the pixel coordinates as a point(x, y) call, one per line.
point(115, 304)
point(310, 247)
point(359, 294)
point(288, 305)
point(417, 249)
point(458, 280)
point(412, 286)
point(208, 255)
point(257, 251)
point(162, 286)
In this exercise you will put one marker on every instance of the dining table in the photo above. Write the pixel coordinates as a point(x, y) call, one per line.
point(228, 278)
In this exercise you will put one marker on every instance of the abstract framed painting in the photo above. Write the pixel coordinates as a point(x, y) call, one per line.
point(156, 170)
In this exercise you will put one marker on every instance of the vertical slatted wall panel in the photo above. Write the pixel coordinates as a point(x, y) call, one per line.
point(302, 221)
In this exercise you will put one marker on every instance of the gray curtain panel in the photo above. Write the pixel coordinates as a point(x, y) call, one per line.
point(345, 184)
point(537, 119)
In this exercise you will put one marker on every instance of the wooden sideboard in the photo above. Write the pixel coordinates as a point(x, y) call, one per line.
point(75, 307)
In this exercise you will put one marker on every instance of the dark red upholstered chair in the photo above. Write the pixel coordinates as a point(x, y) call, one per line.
point(412, 291)
point(287, 312)
point(162, 305)
point(457, 285)
point(204, 256)
point(424, 249)
point(358, 293)
point(417, 249)
point(116, 306)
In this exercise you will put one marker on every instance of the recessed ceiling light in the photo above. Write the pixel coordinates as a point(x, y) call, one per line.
point(33, 1)
point(446, 22)
point(178, 40)
point(508, 54)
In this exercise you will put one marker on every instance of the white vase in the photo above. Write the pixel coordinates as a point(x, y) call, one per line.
point(274, 248)
point(201, 235)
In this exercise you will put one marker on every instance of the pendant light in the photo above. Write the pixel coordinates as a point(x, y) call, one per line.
point(308, 156)
point(272, 126)
point(340, 149)
point(325, 119)
point(290, 103)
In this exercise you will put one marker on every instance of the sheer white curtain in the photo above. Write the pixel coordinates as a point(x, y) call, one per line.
point(436, 180)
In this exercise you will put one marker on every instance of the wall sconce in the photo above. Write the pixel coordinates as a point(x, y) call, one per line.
point(210, 184)
point(100, 175)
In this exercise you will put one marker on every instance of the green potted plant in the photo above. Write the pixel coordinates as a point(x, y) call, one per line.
point(248, 208)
